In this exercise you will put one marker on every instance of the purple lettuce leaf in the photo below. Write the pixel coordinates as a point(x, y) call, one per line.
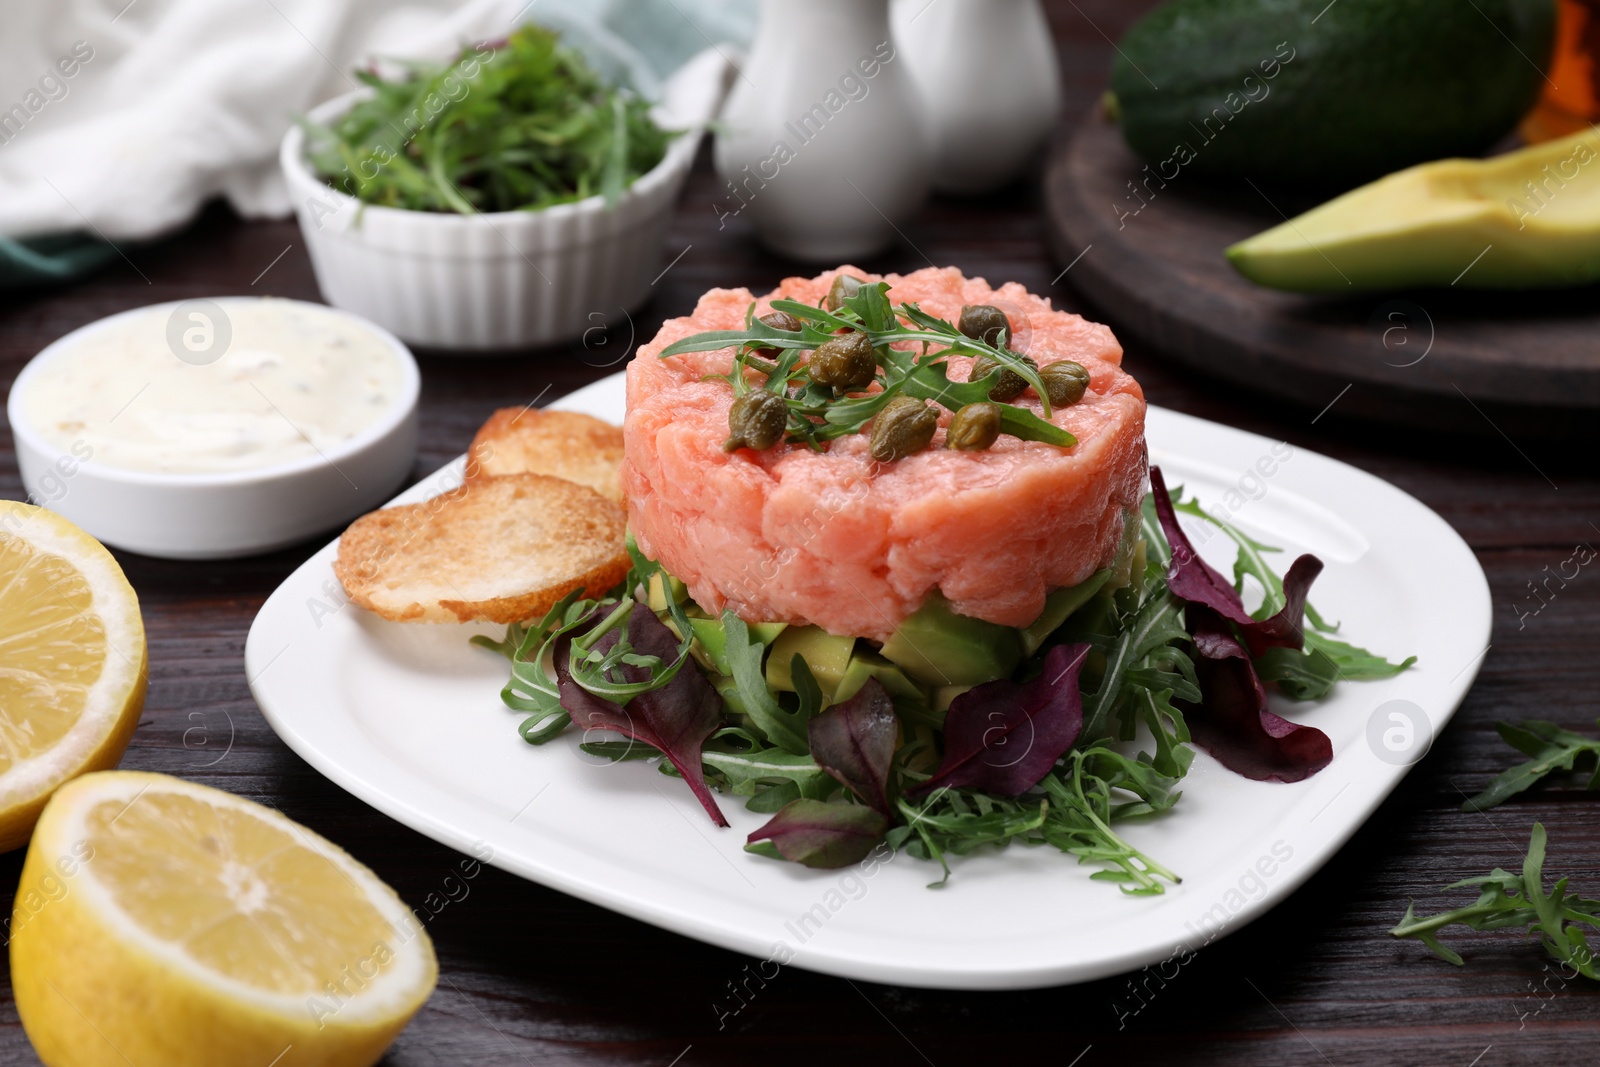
point(676, 718)
point(1002, 737)
point(855, 741)
point(1232, 721)
point(1195, 581)
point(823, 834)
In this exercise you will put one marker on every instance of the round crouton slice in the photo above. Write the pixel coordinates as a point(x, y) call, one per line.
point(565, 444)
point(499, 549)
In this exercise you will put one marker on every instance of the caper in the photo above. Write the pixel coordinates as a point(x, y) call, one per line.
point(781, 320)
point(903, 427)
point(1064, 382)
point(843, 288)
point(847, 363)
point(974, 428)
point(757, 420)
point(1010, 385)
point(984, 322)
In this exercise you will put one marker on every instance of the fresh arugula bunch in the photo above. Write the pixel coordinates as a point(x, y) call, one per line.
point(522, 125)
point(818, 415)
point(1507, 901)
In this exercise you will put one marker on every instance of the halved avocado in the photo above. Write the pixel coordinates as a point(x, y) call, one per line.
point(937, 646)
point(828, 656)
point(1526, 219)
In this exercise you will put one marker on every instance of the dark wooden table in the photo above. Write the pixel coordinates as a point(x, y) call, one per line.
point(532, 976)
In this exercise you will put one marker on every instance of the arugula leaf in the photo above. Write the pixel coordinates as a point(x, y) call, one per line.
point(783, 728)
point(1505, 901)
point(1300, 675)
point(1552, 748)
point(1354, 664)
point(524, 125)
point(744, 773)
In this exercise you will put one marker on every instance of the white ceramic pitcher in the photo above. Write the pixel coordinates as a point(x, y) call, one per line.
point(822, 146)
point(989, 84)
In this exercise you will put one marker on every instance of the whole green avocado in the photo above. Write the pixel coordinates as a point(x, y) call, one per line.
point(1326, 94)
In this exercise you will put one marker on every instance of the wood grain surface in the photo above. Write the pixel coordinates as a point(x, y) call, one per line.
point(531, 976)
point(1458, 358)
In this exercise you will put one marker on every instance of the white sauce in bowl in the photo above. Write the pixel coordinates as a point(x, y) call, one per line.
point(295, 381)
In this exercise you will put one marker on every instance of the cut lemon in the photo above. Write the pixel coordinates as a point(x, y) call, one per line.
point(72, 661)
point(161, 923)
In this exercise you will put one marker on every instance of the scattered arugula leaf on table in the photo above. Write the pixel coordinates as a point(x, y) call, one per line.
point(1507, 901)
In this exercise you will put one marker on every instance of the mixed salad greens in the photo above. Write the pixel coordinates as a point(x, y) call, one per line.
point(519, 124)
point(1164, 656)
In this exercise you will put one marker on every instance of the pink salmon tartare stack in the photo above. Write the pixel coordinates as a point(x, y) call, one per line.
point(842, 541)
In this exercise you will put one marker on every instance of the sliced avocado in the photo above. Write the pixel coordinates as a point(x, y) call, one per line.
point(865, 664)
point(1527, 219)
point(935, 645)
point(711, 640)
point(728, 690)
point(1057, 606)
point(655, 591)
point(946, 694)
point(1128, 596)
point(828, 656)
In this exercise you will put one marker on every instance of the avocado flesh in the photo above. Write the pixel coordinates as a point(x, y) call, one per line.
point(936, 646)
point(865, 665)
point(1058, 605)
point(711, 640)
point(828, 656)
point(656, 590)
point(1461, 222)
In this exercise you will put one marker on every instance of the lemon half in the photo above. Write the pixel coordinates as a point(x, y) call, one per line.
point(72, 661)
point(161, 923)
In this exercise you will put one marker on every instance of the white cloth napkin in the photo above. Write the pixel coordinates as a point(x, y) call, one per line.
point(120, 119)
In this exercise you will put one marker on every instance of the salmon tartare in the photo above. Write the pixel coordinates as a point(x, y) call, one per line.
point(840, 540)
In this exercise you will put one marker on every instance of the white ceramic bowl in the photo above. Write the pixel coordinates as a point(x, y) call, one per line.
point(512, 279)
point(225, 514)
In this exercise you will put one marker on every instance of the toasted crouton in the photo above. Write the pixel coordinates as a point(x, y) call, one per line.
point(497, 549)
point(579, 448)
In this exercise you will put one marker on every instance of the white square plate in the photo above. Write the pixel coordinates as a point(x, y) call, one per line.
point(408, 718)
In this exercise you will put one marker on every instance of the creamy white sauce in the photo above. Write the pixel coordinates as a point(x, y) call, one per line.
point(295, 381)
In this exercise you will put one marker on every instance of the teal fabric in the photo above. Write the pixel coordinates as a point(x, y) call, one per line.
point(636, 42)
point(57, 258)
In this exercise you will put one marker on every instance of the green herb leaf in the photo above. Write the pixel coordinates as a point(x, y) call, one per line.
point(523, 126)
point(1301, 675)
point(785, 729)
point(1552, 748)
point(1506, 901)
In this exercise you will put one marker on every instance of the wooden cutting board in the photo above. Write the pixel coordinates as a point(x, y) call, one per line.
point(1150, 255)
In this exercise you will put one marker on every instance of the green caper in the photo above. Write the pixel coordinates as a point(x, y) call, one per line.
point(847, 363)
point(974, 428)
point(1010, 385)
point(843, 288)
point(1065, 382)
point(756, 420)
point(984, 322)
point(781, 320)
point(903, 427)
